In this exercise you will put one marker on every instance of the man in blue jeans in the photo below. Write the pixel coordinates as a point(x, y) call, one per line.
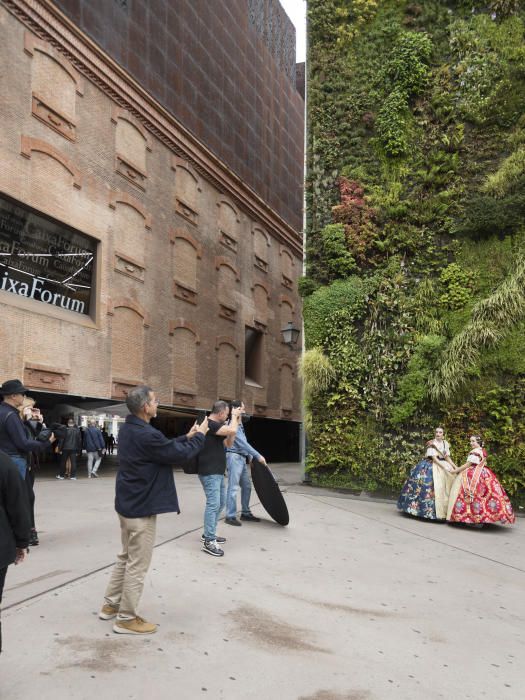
point(236, 458)
point(212, 466)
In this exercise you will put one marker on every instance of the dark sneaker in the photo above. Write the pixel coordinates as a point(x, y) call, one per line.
point(219, 540)
point(212, 548)
point(33, 538)
point(232, 521)
point(250, 517)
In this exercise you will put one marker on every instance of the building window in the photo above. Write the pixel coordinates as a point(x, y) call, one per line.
point(45, 260)
point(253, 356)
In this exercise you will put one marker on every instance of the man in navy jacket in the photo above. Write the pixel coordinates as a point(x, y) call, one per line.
point(144, 487)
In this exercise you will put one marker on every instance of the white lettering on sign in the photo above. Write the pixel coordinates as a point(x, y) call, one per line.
point(36, 290)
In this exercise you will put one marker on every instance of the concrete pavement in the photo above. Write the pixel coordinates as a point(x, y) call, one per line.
point(351, 601)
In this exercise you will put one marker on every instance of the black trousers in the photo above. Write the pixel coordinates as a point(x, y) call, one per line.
point(72, 454)
point(3, 572)
point(30, 485)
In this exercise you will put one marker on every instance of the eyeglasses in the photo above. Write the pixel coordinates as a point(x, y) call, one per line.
point(154, 401)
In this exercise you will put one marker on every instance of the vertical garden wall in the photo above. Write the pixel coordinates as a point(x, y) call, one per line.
point(414, 298)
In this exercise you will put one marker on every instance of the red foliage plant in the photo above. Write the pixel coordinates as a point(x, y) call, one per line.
point(358, 219)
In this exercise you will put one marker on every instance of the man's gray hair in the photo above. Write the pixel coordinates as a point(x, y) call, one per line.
point(219, 406)
point(137, 397)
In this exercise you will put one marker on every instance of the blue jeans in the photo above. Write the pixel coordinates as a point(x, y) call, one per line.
point(21, 463)
point(237, 475)
point(215, 490)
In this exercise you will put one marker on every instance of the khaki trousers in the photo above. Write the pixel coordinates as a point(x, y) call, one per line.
point(127, 580)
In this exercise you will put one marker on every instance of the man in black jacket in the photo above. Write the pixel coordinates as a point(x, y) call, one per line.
point(13, 438)
point(144, 487)
point(14, 519)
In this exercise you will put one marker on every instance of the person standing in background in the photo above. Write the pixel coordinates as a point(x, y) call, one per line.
point(94, 444)
point(68, 449)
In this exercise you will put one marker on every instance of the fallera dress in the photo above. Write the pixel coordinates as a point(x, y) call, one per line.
point(477, 497)
point(425, 492)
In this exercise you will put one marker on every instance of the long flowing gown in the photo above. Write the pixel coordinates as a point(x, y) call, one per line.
point(425, 492)
point(477, 497)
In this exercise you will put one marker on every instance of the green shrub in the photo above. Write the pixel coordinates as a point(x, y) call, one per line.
point(346, 296)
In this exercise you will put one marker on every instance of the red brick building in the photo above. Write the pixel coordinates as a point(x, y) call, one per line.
point(150, 204)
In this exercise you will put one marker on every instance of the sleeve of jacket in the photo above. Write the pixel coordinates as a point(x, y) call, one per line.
point(166, 451)
point(17, 508)
point(17, 432)
point(100, 441)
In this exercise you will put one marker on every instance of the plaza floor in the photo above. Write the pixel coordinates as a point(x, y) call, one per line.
point(351, 601)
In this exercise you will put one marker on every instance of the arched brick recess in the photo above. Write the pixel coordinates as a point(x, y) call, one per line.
point(220, 261)
point(127, 342)
point(127, 302)
point(261, 243)
point(116, 197)
point(179, 163)
point(182, 233)
point(226, 285)
point(33, 43)
point(286, 386)
point(228, 223)
point(287, 309)
point(227, 368)
point(260, 302)
point(184, 346)
point(182, 323)
point(29, 144)
point(120, 113)
point(287, 264)
point(187, 183)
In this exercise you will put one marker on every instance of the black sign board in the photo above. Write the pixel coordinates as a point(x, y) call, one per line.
point(44, 260)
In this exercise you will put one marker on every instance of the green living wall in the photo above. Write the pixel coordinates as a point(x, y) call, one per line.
point(414, 299)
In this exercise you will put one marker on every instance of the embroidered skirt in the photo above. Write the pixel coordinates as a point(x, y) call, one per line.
point(417, 496)
point(488, 503)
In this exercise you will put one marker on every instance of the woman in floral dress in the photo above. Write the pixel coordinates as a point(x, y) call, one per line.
point(425, 492)
point(476, 496)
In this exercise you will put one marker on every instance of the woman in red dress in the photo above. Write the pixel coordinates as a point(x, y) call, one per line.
point(476, 496)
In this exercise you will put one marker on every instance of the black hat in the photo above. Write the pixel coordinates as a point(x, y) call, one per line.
point(12, 386)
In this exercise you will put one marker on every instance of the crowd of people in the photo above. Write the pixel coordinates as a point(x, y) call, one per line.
point(437, 489)
point(145, 485)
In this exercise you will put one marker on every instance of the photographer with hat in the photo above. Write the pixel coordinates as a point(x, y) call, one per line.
point(13, 437)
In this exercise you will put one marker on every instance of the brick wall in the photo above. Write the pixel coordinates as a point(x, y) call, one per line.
point(181, 268)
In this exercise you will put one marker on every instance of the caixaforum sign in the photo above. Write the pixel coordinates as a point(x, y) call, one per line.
point(44, 260)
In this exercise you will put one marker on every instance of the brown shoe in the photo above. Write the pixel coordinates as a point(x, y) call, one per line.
point(135, 626)
point(108, 612)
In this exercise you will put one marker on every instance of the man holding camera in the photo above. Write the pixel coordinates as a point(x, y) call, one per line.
point(144, 488)
point(236, 457)
point(212, 467)
point(13, 438)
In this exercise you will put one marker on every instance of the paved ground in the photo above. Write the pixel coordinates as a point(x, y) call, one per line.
point(352, 601)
